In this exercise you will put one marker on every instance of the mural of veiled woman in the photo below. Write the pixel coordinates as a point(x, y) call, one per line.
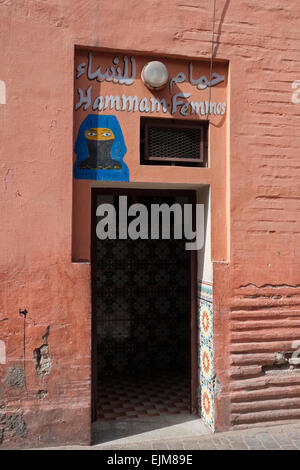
point(100, 149)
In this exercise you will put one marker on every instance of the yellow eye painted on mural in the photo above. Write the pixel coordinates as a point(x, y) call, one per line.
point(99, 133)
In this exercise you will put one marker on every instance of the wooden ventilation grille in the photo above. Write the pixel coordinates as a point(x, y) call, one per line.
point(173, 141)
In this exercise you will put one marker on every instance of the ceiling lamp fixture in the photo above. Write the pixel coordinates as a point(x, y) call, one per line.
point(155, 75)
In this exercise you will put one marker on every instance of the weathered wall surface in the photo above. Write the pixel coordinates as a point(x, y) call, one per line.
point(256, 293)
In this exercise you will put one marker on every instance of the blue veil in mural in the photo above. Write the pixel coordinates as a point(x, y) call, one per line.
point(100, 149)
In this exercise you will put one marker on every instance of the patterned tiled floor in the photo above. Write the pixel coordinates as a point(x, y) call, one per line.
point(139, 397)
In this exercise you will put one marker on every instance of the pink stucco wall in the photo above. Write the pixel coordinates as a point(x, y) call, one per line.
point(256, 280)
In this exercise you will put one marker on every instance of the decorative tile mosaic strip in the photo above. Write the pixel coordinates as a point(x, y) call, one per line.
point(206, 352)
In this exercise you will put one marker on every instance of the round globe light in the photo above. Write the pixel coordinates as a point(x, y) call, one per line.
point(155, 75)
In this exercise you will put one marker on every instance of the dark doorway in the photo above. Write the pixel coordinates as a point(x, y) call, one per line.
point(144, 318)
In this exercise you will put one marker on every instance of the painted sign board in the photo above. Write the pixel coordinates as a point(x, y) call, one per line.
point(110, 97)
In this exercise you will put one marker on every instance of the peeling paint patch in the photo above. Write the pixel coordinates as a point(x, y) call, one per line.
point(2, 415)
point(42, 394)
point(284, 362)
point(17, 424)
point(42, 360)
point(217, 386)
point(270, 286)
point(15, 377)
point(2, 92)
point(2, 353)
point(12, 422)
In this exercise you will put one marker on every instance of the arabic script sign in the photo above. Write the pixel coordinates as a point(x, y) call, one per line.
point(125, 72)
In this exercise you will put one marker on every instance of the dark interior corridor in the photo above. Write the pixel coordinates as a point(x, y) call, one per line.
point(143, 325)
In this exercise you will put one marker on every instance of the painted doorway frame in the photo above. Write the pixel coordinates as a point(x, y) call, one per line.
point(193, 336)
